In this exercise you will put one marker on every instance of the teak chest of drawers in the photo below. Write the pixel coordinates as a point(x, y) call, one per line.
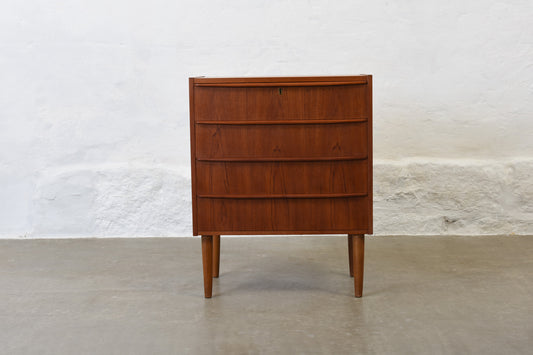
point(281, 155)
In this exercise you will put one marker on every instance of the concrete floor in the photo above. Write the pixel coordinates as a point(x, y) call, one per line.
point(288, 295)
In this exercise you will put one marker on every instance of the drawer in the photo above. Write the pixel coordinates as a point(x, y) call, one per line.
point(280, 141)
point(272, 216)
point(281, 178)
point(281, 103)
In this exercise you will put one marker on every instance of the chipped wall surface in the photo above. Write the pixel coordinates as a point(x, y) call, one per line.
point(453, 197)
point(94, 133)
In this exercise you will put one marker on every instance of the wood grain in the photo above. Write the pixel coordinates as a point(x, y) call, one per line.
point(282, 80)
point(278, 178)
point(259, 216)
point(207, 263)
point(192, 125)
point(283, 122)
point(223, 141)
point(350, 254)
point(358, 262)
point(370, 150)
point(280, 102)
point(216, 255)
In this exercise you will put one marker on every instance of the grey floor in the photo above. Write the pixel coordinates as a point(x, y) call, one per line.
point(282, 295)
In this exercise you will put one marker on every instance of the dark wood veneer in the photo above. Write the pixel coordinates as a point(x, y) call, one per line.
point(235, 178)
point(287, 155)
point(295, 141)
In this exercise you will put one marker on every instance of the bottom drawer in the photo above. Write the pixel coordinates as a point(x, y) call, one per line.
point(284, 216)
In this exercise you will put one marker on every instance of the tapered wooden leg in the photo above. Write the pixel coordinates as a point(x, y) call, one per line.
point(207, 260)
point(358, 250)
point(350, 254)
point(216, 255)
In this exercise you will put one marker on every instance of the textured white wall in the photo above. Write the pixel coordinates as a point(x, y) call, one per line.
point(94, 106)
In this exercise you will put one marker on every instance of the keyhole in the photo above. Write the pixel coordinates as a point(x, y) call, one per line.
point(280, 91)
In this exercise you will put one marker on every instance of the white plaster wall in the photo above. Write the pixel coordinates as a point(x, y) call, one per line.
point(94, 106)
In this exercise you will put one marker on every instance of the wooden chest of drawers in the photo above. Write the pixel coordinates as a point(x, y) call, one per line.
point(281, 155)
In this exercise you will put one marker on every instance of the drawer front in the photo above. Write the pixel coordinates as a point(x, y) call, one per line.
point(281, 178)
point(272, 216)
point(278, 141)
point(279, 103)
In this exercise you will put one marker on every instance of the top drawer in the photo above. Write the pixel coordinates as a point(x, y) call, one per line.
point(281, 103)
